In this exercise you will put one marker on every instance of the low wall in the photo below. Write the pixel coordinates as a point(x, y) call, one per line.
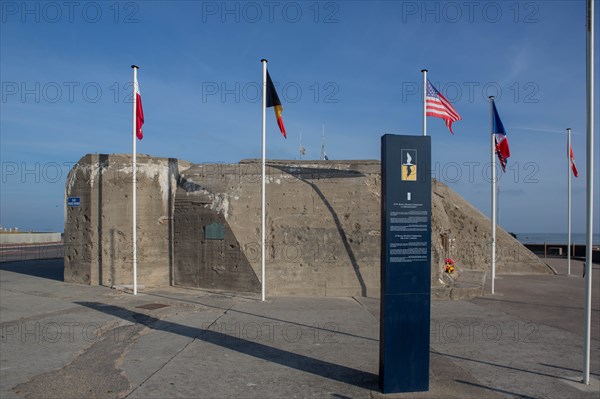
point(29, 238)
point(560, 250)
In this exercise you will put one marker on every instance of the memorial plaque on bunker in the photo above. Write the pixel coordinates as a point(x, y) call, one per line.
point(214, 231)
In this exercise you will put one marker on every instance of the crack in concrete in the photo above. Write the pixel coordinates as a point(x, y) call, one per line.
point(365, 308)
point(149, 327)
point(94, 370)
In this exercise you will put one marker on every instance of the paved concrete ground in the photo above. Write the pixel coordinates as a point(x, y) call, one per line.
point(72, 341)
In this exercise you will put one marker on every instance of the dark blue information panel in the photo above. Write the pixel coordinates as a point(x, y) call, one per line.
point(405, 263)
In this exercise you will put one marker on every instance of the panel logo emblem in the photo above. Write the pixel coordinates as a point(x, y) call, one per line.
point(409, 165)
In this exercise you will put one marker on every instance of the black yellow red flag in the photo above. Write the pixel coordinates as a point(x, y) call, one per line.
point(273, 101)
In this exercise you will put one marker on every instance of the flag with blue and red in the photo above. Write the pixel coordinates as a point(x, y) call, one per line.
point(502, 149)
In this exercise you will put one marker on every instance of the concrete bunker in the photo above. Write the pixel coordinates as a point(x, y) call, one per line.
point(323, 227)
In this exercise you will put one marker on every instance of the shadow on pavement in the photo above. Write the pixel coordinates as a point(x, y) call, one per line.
point(504, 367)
point(566, 368)
point(52, 269)
point(296, 361)
point(227, 309)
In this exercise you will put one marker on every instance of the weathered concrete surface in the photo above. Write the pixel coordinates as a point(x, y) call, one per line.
point(461, 231)
point(98, 245)
point(200, 259)
point(323, 227)
point(97, 365)
point(322, 221)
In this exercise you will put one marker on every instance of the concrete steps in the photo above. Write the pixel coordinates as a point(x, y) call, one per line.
point(465, 284)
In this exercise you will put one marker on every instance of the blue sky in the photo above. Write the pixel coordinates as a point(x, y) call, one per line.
point(352, 66)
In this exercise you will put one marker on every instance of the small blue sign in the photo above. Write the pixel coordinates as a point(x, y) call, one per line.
point(73, 201)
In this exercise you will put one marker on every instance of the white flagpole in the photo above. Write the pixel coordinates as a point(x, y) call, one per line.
point(134, 170)
point(263, 201)
point(424, 101)
point(569, 202)
point(323, 142)
point(493, 229)
point(589, 188)
point(498, 203)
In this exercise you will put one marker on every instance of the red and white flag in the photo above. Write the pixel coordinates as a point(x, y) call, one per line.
point(139, 111)
point(438, 106)
point(572, 160)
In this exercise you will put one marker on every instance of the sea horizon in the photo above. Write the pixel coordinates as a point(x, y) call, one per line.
point(555, 238)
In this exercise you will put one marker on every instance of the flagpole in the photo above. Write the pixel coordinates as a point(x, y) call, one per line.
point(134, 177)
point(569, 202)
point(263, 201)
point(493, 228)
point(589, 187)
point(424, 71)
point(498, 203)
point(323, 142)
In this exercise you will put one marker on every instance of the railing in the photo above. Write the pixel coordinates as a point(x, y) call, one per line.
point(560, 250)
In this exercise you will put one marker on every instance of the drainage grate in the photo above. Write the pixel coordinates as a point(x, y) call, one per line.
point(152, 306)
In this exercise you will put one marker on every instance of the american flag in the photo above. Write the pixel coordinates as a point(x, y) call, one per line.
point(437, 105)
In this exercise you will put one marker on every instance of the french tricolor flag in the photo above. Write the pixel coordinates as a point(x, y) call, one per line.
point(502, 149)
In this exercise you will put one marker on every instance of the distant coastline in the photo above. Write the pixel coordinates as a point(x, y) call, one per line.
point(555, 238)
